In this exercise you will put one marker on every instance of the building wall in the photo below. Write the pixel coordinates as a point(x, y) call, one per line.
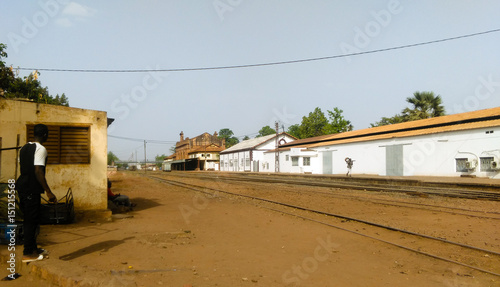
point(254, 159)
point(186, 145)
point(287, 163)
point(236, 161)
point(210, 162)
point(426, 155)
point(87, 181)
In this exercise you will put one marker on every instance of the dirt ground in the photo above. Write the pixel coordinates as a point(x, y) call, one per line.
point(178, 237)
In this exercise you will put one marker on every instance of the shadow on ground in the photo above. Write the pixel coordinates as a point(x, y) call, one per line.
point(97, 247)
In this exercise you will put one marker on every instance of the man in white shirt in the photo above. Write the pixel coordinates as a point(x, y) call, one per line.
point(30, 185)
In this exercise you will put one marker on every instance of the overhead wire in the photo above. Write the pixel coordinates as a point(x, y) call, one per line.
point(142, 140)
point(263, 64)
point(162, 141)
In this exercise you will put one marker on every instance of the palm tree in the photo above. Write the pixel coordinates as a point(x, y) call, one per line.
point(425, 105)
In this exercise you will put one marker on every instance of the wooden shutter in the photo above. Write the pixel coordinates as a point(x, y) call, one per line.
point(75, 145)
point(65, 144)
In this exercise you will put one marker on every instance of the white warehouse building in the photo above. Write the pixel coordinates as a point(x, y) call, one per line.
point(248, 155)
point(453, 145)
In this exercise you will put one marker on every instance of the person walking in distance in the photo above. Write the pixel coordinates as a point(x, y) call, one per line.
point(30, 185)
point(349, 162)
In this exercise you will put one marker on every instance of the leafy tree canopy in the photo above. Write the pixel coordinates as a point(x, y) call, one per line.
point(337, 123)
point(314, 124)
point(294, 130)
point(112, 158)
point(317, 124)
point(159, 159)
point(424, 105)
point(228, 135)
point(265, 131)
point(12, 86)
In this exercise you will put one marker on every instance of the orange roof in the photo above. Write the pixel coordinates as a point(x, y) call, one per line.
point(207, 148)
point(463, 121)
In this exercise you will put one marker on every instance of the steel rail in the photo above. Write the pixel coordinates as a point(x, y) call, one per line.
point(250, 179)
point(203, 190)
point(417, 190)
point(434, 208)
point(390, 243)
point(469, 194)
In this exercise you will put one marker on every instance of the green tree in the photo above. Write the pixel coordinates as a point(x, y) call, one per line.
point(172, 149)
point(315, 124)
point(388, 121)
point(159, 159)
point(6, 73)
point(60, 100)
point(228, 135)
point(337, 124)
point(29, 87)
point(424, 105)
point(3, 54)
point(294, 130)
point(112, 158)
point(265, 131)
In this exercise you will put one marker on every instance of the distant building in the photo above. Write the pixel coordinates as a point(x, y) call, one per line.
point(198, 153)
point(452, 145)
point(249, 155)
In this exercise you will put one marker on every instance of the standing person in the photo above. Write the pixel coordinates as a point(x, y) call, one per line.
point(349, 162)
point(30, 185)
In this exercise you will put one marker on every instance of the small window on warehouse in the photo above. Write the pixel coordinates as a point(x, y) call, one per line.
point(287, 157)
point(306, 161)
point(295, 161)
point(461, 164)
point(65, 144)
point(485, 163)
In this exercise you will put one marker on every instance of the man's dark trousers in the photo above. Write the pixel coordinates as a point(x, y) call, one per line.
point(30, 206)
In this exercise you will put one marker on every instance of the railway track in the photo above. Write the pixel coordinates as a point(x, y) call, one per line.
point(336, 192)
point(472, 257)
point(454, 191)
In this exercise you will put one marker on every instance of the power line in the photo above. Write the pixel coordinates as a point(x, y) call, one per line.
point(263, 64)
point(142, 140)
point(162, 141)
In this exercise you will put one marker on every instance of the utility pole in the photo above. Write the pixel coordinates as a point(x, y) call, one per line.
point(145, 159)
point(277, 153)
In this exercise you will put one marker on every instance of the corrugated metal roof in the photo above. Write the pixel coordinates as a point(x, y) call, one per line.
point(248, 144)
point(253, 143)
point(402, 134)
point(469, 120)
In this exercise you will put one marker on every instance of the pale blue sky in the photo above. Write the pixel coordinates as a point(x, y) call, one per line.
point(190, 34)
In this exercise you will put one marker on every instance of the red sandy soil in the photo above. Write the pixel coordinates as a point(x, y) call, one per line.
point(179, 237)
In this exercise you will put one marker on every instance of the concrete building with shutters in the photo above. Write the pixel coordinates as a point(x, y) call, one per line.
point(248, 155)
point(77, 148)
point(466, 144)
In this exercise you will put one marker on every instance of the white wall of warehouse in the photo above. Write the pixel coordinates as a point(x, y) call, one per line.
point(424, 155)
point(243, 161)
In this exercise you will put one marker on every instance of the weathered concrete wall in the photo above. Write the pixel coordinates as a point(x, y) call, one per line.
point(87, 181)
